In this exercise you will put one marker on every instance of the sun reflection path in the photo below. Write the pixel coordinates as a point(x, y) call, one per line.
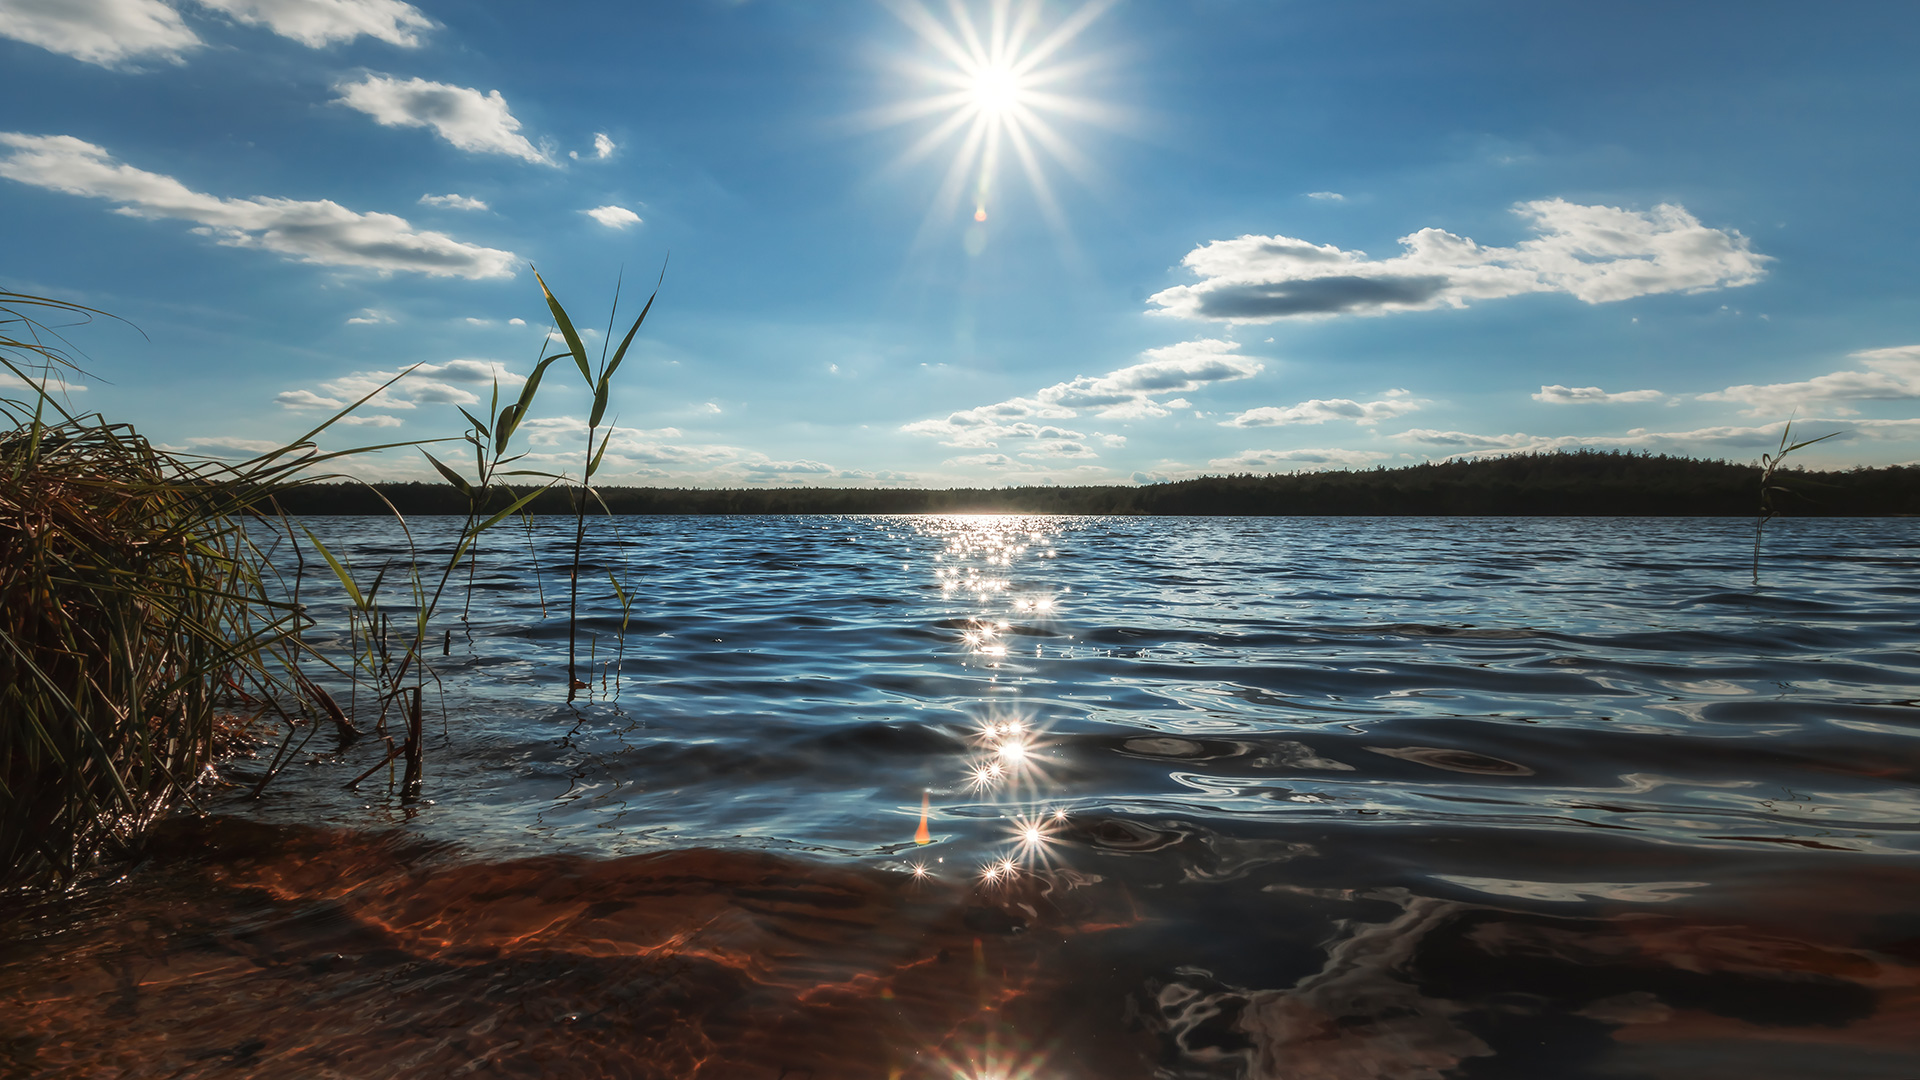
point(979, 566)
point(998, 81)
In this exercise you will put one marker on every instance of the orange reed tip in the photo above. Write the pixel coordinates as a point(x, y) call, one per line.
point(921, 835)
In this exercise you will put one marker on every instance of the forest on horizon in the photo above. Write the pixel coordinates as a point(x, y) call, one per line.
point(1560, 484)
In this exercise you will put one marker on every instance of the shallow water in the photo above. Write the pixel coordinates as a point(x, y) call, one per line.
point(1297, 798)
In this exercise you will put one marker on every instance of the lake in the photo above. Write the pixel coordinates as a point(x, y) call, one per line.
point(1041, 797)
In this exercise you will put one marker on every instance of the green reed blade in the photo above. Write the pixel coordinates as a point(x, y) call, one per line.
point(567, 331)
point(453, 478)
point(339, 571)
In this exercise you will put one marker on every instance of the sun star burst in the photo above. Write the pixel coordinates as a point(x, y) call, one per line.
point(998, 88)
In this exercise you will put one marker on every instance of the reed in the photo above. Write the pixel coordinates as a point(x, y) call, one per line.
point(599, 383)
point(141, 628)
point(1769, 487)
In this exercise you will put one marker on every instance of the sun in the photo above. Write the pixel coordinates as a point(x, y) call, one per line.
point(995, 89)
point(998, 86)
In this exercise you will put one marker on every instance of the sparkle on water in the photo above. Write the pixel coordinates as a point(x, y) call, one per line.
point(1185, 793)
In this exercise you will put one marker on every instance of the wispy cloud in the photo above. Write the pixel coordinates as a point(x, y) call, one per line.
point(1320, 410)
point(317, 231)
point(613, 217)
point(224, 446)
point(983, 461)
point(452, 202)
point(1891, 374)
point(53, 384)
point(1723, 437)
point(318, 23)
point(1581, 395)
point(1124, 394)
point(455, 382)
point(475, 122)
point(1327, 196)
point(1295, 460)
point(1594, 253)
point(109, 33)
point(369, 317)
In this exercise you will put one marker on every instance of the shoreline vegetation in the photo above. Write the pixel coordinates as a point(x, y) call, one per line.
point(149, 631)
point(1560, 484)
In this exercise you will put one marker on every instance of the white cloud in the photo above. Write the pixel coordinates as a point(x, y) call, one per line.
point(369, 317)
point(320, 231)
point(516, 322)
point(315, 23)
point(602, 145)
point(613, 217)
point(1597, 254)
point(452, 202)
point(225, 446)
point(475, 122)
point(1327, 196)
point(51, 383)
point(1320, 410)
point(785, 469)
point(1891, 374)
point(1058, 448)
point(1572, 395)
point(428, 384)
point(1763, 437)
point(307, 399)
point(1295, 460)
point(1125, 394)
point(110, 33)
point(989, 461)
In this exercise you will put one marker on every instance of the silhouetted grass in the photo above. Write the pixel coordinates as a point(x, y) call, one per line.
point(139, 624)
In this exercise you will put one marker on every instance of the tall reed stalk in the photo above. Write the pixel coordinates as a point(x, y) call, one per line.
point(1769, 464)
point(599, 383)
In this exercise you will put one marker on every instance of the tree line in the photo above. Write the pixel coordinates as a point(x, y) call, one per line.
point(1559, 484)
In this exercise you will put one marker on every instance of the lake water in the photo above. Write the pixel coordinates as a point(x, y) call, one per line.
point(1261, 798)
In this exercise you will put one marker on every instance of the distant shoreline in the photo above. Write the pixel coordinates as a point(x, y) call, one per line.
point(1580, 484)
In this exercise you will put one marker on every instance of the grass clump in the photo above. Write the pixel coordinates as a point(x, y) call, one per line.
point(133, 614)
point(129, 611)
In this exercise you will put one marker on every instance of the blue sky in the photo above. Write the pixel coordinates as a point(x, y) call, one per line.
point(986, 243)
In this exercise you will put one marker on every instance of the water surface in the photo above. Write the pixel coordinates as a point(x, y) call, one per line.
point(1295, 798)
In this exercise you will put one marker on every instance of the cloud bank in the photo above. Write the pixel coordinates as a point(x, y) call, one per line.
point(316, 231)
point(1581, 395)
point(1296, 460)
point(1892, 374)
point(1597, 254)
point(475, 122)
point(1128, 393)
point(1763, 437)
point(455, 382)
point(1395, 403)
